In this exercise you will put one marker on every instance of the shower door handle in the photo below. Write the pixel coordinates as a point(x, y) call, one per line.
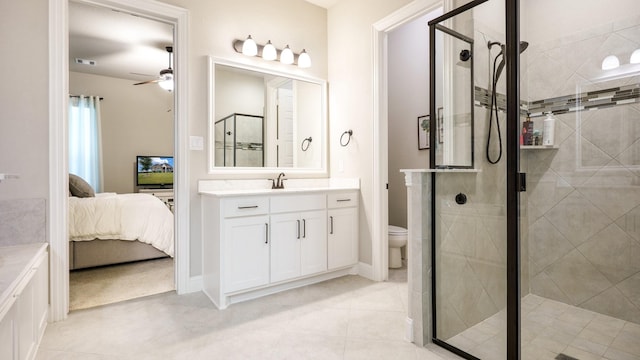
point(522, 182)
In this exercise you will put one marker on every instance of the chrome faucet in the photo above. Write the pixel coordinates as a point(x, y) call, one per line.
point(279, 183)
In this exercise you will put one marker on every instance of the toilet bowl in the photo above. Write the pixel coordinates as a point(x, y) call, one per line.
point(397, 240)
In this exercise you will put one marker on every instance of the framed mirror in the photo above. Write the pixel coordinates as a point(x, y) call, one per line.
point(263, 121)
point(452, 54)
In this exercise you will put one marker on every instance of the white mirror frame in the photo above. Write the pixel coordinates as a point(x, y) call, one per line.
point(248, 172)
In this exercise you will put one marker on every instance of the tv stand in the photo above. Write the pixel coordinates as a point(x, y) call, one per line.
point(165, 195)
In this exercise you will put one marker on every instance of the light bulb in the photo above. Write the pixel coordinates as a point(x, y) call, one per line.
point(304, 60)
point(269, 51)
point(166, 84)
point(635, 57)
point(610, 62)
point(286, 56)
point(249, 47)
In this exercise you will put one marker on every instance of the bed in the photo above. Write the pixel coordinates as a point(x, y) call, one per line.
point(111, 228)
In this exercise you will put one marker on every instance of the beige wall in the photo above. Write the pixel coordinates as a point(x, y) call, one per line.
point(351, 99)
point(24, 115)
point(408, 74)
point(136, 120)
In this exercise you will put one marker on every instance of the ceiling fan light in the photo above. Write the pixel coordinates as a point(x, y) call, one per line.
point(286, 56)
point(304, 60)
point(269, 52)
point(249, 47)
point(166, 84)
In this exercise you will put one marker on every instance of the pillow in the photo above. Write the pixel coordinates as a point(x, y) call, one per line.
point(80, 188)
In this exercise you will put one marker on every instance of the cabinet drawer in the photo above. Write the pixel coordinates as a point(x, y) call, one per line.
point(341, 200)
point(294, 203)
point(245, 206)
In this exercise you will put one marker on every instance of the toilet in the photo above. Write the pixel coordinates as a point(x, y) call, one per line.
point(397, 240)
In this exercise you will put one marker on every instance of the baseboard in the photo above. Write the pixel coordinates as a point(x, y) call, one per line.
point(409, 330)
point(194, 284)
point(365, 270)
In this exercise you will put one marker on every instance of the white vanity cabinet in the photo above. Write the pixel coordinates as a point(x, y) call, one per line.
point(254, 245)
point(342, 239)
point(298, 236)
point(24, 300)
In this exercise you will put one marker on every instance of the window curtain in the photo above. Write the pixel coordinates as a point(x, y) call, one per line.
point(85, 140)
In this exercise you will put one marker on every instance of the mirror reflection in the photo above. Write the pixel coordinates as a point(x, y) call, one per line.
point(454, 98)
point(266, 120)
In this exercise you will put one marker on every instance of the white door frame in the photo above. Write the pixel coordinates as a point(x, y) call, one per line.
point(58, 158)
point(381, 30)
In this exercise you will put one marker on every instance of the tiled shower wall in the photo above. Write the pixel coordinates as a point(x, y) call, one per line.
point(583, 203)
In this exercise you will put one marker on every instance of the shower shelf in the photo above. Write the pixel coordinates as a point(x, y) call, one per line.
point(539, 147)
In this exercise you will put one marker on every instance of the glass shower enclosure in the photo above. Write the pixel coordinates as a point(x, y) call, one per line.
point(536, 193)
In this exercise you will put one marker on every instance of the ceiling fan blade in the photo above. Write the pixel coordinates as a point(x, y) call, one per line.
point(140, 74)
point(148, 82)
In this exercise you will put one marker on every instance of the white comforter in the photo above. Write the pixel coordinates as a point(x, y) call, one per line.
point(138, 216)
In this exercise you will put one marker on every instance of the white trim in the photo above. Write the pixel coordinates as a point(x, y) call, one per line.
point(365, 270)
point(58, 90)
point(408, 326)
point(58, 179)
point(381, 29)
point(194, 284)
point(241, 296)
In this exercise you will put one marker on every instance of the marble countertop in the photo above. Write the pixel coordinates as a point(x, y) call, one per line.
point(15, 263)
point(441, 170)
point(261, 187)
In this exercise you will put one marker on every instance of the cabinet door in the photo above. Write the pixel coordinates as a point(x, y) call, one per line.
point(8, 349)
point(286, 233)
point(342, 237)
point(26, 322)
point(247, 252)
point(313, 242)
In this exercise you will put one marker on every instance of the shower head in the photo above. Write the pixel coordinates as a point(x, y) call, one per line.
point(523, 46)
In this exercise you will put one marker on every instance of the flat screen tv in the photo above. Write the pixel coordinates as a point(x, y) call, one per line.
point(154, 171)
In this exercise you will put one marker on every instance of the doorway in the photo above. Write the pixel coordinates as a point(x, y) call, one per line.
point(58, 96)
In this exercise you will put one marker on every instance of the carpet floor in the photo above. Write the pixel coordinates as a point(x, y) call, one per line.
point(110, 284)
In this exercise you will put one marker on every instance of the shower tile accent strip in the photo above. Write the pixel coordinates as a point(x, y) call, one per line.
point(590, 100)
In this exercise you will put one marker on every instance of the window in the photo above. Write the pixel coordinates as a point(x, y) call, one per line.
point(85, 143)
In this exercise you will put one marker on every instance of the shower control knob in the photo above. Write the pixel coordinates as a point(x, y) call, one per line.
point(461, 199)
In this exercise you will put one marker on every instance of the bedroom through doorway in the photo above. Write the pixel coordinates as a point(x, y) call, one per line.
point(126, 61)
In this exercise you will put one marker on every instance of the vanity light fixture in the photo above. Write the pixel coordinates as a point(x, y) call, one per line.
point(286, 56)
point(270, 53)
point(249, 47)
point(610, 62)
point(304, 60)
point(635, 57)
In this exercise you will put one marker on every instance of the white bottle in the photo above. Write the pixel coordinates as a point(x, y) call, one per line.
point(549, 128)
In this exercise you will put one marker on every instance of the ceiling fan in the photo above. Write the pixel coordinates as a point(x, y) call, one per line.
point(165, 80)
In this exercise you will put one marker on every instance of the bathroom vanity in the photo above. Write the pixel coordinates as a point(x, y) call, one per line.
point(258, 241)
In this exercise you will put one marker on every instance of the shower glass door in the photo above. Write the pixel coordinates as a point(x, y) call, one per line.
point(470, 202)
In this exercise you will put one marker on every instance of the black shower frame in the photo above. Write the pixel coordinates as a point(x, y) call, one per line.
point(513, 180)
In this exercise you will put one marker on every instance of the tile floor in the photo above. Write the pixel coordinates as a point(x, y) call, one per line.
point(550, 328)
point(345, 318)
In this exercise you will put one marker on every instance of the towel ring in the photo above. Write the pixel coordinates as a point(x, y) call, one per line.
point(348, 132)
point(308, 143)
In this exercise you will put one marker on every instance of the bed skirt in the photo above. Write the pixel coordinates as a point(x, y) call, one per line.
point(85, 254)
